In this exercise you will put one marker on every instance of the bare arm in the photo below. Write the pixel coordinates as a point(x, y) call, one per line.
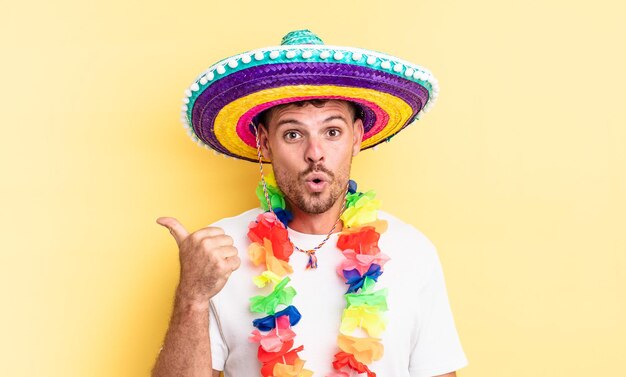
point(207, 258)
point(186, 349)
point(451, 374)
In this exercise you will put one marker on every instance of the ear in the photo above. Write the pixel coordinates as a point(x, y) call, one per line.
point(358, 137)
point(264, 142)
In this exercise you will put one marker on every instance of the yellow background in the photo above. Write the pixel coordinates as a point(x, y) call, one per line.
point(518, 175)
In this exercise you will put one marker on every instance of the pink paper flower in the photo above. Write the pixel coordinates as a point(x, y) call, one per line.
point(360, 262)
point(273, 340)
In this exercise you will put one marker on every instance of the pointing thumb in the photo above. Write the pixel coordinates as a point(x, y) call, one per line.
point(176, 228)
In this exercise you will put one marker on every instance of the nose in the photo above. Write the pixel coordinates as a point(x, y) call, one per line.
point(314, 151)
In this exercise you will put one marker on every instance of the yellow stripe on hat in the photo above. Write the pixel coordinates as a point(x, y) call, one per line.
point(226, 120)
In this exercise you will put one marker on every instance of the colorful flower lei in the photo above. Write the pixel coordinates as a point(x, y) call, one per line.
point(360, 270)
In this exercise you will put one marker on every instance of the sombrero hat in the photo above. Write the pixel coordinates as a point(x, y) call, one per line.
point(221, 105)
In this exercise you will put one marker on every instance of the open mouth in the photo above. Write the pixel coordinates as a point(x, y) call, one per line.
point(316, 183)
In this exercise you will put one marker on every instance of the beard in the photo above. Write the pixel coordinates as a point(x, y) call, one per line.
point(293, 187)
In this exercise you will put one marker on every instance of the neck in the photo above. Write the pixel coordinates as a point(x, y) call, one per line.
point(320, 223)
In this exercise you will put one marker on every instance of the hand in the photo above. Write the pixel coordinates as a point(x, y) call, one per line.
point(207, 258)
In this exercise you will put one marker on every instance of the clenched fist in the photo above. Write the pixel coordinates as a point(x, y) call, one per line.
point(207, 258)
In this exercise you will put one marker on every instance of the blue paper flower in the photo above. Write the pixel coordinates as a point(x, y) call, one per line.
point(283, 215)
point(269, 322)
point(351, 186)
point(356, 280)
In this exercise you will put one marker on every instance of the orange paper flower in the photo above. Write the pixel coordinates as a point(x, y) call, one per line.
point(263, 254)
point(295, 370)
point(365, 350)
point(363, 241)
point(267, 226)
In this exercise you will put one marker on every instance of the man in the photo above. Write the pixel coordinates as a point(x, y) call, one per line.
point(309, 109)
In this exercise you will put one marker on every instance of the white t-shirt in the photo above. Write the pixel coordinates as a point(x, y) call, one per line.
point(420, 339)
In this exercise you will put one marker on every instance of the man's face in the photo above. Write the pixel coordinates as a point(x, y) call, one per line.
point(311, 150)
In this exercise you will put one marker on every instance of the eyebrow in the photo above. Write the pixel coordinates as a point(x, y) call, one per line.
point(333, 117)
point(298, 123)
point(288, 121)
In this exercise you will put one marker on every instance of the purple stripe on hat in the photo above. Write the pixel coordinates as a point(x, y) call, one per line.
point(247, 81)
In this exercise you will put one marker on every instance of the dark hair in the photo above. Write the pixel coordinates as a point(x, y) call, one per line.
point(357, 111)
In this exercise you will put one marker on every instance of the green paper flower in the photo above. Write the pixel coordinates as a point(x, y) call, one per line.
point(376, 299)
point(277, 199)
point(280, 295)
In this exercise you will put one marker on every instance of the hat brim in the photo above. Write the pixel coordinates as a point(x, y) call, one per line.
point(222, 104)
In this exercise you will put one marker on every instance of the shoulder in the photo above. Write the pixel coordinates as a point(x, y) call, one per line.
point(405, 241)
point(237, 220)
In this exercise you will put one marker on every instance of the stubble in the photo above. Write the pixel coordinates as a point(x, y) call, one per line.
point(293, 187)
